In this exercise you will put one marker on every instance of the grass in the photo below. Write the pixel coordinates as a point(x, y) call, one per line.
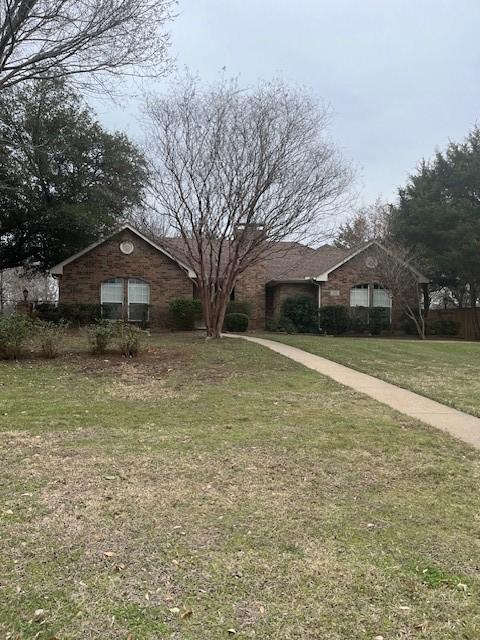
point(445, 371)
point(215, 490)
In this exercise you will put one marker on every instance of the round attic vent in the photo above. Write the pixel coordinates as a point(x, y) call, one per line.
point(371, 262)
point(126, 247)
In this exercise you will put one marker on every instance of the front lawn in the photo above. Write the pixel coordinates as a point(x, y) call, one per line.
point(445, 371)
point(215, 490)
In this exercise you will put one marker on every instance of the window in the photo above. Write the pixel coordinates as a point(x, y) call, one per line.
point(138, 300)
point(111, 298)
point(359, 296)
point(381, 297)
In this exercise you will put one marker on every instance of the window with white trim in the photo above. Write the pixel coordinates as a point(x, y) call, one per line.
point(359, 296)
point(111, 298)
point(138, 300)
point(381, 297)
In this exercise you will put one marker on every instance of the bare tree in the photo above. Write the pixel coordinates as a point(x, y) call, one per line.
point(397, 274)
point(235, 172)
point(371, 222)
point(58, 38)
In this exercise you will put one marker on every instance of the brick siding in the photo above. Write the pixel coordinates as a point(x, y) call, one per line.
point(82, 278)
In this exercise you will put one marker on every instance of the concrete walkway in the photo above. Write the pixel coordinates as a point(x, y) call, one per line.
point(459, 424)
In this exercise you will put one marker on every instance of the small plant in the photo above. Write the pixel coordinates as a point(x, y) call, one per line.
point(334, 319)
point(15, 331)
point(129, 339)
point(302, 312)
point(236, 322)
point(50, 337)
point(183, 313)
point(100, 335)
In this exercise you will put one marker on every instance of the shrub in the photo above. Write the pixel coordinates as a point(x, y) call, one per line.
point(15, 330)
point(100, 335)
point(442, 327)
point(359, 319)
point(239, 306)
point(236, 322)
point(334, 319)
point(129, 339)
point(50, 337)
point(75, 314)
point(378, 320)
point(302, 312)
point(282, 324)
point(48, 312)
point(183, 313)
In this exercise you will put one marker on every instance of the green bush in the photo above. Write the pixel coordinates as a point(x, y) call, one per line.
point(442, 327)
point(15, 331)
point(50, 337)
point(75, 314)
point(302, 312)
point(378, 320)
point(239, 306)
point(359, 320)
point(183, 313)
point(281, 324)
point(100, 335)
point(334, 319)
point(129, 339)
point(236, 322)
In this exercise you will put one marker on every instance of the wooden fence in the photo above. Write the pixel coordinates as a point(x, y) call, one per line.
point(469, 324)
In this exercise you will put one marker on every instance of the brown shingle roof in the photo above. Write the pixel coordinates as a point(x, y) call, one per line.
point(287, 261)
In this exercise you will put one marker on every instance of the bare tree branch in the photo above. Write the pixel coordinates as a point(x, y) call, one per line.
point(88, 38)
point(397, 274)
point(236, 172)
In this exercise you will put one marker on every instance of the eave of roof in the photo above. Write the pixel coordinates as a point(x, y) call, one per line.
point(57, 270)
point(306, 279)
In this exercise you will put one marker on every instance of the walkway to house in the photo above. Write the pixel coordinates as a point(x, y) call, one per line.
point(457, 423)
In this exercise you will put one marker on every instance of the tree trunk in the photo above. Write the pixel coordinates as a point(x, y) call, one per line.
point(214, 305)
point(426, 299)
point(473, 304)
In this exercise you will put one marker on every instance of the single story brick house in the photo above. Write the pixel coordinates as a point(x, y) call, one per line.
point(135, 277)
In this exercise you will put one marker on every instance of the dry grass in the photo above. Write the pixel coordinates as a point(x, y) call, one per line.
point(235, 491)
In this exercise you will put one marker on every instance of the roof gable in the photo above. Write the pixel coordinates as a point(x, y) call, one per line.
point(323, 277)
point(57, 270)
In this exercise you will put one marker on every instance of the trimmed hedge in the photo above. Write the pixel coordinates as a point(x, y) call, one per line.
point(283, 325)
point(442, 327)
point(335, 319)
point(379, 320)
point(239, 306)
point(301, 312)
point(236, 322)
point(183, 313)
point(74, 314)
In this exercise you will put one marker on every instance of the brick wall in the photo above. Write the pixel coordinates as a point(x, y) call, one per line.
point(337, 289)
point(81, 279)
point(250, 287)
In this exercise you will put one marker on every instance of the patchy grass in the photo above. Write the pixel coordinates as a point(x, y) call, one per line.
point(445, 371)
point(208, 487)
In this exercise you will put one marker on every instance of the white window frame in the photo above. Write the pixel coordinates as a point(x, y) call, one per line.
point(364, 287)
point(118, 281)
point(146, 284)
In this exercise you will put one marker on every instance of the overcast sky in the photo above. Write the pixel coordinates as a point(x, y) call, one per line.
point(402, 76)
